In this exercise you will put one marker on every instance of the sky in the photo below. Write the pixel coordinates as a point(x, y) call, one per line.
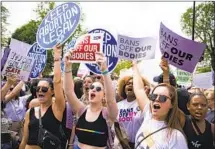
point(135, 19)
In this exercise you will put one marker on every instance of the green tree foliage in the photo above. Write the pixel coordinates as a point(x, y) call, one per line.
point(204, 27)
point(27, 33)
point(122, 64)
point(4, 23)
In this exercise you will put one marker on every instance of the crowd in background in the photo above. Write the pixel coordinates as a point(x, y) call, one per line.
point(105, 111)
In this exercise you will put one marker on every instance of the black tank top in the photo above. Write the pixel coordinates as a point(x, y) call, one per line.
point(92, 133)
point(49, 122)
point(202, 141)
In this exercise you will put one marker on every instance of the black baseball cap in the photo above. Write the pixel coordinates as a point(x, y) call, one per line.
point(159, 79)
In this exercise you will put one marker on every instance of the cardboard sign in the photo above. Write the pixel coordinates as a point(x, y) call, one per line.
point(136, 48)
point(58, 25)
point(40, 55)
point(183, 77)
point(86, 46)
point(109, 50)
point(180, 52)
point(18, 64)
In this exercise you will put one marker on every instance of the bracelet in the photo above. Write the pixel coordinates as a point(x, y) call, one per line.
point(104, 72)
point(70, 144)
point(68, 71)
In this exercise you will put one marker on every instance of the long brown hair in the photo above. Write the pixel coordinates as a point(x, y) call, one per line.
point(172, 119)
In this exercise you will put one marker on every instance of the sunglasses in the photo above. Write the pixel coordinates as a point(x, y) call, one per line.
point(162, 98)
point(43, 89)
point(98, 88)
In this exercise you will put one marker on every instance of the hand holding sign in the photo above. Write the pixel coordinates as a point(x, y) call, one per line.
point(12, 79)
point(57, 52)
point(67, 58)
point(164, 65)
point(101, 60)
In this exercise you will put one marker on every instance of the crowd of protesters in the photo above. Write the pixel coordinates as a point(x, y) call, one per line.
point(104, 111)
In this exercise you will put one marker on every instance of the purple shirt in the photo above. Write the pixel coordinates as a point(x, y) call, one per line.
point(15, 109)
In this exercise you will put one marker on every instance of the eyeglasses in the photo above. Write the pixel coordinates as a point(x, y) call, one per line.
point(162, 98)
point(43, 89)
point(98, 88)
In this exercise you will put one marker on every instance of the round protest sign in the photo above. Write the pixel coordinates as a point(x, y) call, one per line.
point(58, 25)
point(109, 50)
point(40, 55)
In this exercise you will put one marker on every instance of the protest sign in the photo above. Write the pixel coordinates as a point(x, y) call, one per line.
point(183, 77)
point(58, 25)
point(180, 52)
point(39, 54)
point(85, 48)
point(109, 50)
point(19, 46)
point(5, 56)
point(136, 48)
point(18, 64)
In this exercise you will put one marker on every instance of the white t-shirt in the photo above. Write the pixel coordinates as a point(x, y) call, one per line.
point(159, 140)
point(129, 117)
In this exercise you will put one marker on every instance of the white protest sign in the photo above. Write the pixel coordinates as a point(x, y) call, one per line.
point(86, 46)
point(20, 46)
point(18, 64)
point(130, 48)
point(180, 52)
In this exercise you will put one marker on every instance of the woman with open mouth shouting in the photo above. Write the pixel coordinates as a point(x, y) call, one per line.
point(160, 128)
point(43, 124)
point(92, 128)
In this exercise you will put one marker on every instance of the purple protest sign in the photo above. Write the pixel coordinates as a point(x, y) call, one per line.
point(179, 51)
point(5, 56)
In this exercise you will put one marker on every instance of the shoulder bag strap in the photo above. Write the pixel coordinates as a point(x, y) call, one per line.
point(150, 135)
point(40, 120)
point(196, 126)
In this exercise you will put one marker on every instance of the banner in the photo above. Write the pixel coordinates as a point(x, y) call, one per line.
point(58, 25)
point(109, 50)
point(86, 46)
point(180, 52)
point(136, 48)
point(183, 77)
point(40, 55)
point(18, 64)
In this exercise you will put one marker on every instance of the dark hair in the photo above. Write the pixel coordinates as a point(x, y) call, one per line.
point(78, 85)
point(49, 80)
point(197, 94)
point(33, 85)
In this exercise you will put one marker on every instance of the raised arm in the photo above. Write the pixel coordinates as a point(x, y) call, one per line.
point(59, 104)
point(10, 81)
point(109, 89)
point(75, 103)
point(165, 68)
point(138, 86)
point(14, 92)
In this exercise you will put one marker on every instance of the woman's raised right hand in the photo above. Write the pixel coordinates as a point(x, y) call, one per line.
point(67, 58)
